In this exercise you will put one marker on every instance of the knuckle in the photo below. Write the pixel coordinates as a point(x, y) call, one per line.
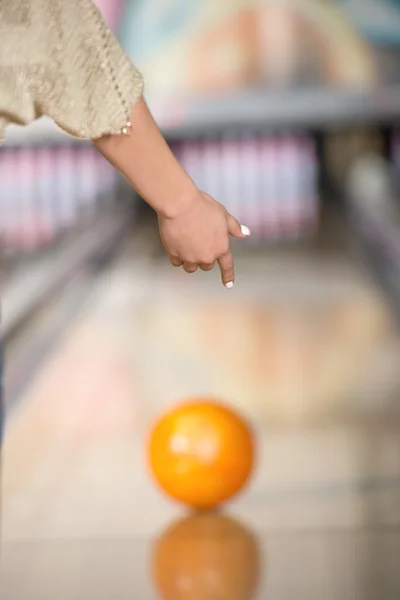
point(208, 259)
point(225, 248)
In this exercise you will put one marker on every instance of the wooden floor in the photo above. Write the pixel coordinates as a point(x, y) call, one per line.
point(304, 347)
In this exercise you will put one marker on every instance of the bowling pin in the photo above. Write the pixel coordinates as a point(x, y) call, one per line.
point(87, 182)
point(3, 204)
point(185, 157)
point(13, 199)
point(176, 149)
point(66, 187)
point(230, 176)
point(192, 161)
point(250, 159)
point(108, 180)
point(47, 193)
point(200, 164)
point(8, 188)
point(298, 187)
point(6, 195)
point(310, 185)
point(291, 186)
point(270, 188)
point(211, 168)
point(28, 224)
point(281, 169)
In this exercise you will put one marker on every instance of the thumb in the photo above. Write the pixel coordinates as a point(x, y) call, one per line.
point(236, 229)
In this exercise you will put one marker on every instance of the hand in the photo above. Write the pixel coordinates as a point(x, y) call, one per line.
point(198, 236)
point(194, 228)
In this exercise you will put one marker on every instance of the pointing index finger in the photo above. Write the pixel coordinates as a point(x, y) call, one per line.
point(226, 265)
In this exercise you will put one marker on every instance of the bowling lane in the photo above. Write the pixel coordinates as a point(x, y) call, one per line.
point(304, 346)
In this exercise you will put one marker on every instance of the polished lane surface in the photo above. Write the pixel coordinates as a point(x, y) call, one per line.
point(306, 349)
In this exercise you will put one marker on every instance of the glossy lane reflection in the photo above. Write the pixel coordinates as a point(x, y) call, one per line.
point(206, 556)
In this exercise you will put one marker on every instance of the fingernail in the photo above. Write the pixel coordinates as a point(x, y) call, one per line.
point(245, 230)
point(229, 285)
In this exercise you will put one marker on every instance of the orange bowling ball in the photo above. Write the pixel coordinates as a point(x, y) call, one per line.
point(201, 453)
point(207, 556)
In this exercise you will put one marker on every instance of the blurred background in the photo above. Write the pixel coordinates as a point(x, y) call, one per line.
point(288, 112)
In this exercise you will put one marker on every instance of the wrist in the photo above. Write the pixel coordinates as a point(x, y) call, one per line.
point(178, 200)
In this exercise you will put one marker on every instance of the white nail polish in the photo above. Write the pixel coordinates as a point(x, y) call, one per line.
point(229, 285)
point(245, 230)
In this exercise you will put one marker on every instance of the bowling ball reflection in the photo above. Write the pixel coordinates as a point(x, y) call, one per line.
point(208, 555)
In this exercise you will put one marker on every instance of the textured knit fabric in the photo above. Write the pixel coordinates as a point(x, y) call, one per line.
point(58, 58)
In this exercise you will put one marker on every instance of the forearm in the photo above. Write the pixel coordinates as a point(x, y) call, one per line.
point(146, 161)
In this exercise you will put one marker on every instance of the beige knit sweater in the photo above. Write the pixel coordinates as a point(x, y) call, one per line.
point(58, 58)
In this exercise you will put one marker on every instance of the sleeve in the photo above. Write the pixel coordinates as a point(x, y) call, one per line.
point(59, 59)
